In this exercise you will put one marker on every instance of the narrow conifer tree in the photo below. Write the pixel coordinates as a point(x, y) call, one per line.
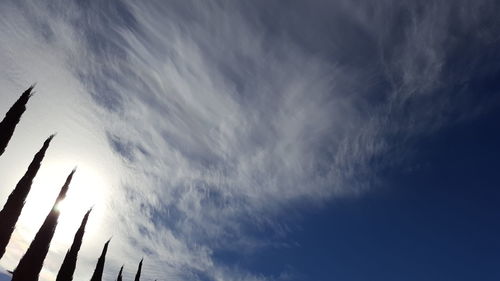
point(120, 274)
point(138, 274)
point(31, 263)
point(15, 203)
point(12, 117)
point(69, 263)
point(99, 268)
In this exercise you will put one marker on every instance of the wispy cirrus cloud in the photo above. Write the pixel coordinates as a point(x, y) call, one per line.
point(224, 116)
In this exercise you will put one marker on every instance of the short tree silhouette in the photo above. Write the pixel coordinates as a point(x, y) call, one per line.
point(15, 203)
point(69, 263)
point(138, 274)
point(99, 268)
point(119, 278)
point(12, 117)
point(31, 263)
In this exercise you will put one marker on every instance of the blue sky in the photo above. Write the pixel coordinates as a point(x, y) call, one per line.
point(435, 221)
point(262, 140)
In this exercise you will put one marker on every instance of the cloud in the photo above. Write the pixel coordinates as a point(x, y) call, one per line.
point(224, 117)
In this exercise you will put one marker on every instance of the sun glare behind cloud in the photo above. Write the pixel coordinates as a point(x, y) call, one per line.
point(87, 190)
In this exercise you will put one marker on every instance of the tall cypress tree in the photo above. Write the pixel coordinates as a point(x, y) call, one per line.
point(138, 274)
point(31, 263)
point(119, 278)
point(15, 203)
point(69, 263)
point(99, 268)
point(12, 117)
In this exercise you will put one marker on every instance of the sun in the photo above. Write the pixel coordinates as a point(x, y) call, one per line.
point(87, 190)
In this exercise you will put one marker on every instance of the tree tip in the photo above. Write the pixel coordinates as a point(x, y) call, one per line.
point(52, 136)
point(71, 174)
point(87, 214)
point(46, 143)
point(107, 243)
point(28, 93)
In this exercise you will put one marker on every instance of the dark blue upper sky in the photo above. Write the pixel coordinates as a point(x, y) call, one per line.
point(435, 217)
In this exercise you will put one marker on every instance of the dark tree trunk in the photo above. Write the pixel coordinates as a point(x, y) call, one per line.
point(69, 263)
point(138, 274)
point(99, 269)
point(119, 278)
point(15, 203)
point(31, 263)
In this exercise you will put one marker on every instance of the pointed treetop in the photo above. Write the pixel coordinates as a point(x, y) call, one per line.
point(31, 263)
point(99, 269)
point(45, 146)
point(12, 118)
point(70, 176)
point(139, 268)
point(86, 217)
point(50, 138)
point(21, 102)
point(106, 246)
point(64, 189)
point(119, 278)
point(26, 95)
point(37, 159)
point(69, 263)
point(15, 203)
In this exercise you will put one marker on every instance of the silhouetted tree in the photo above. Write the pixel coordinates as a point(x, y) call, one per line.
point(31, 263)
point(99, 268)
point(14, 205)
point(138, 274)
point(120, 274)
point(69, 263)
point(12, 117)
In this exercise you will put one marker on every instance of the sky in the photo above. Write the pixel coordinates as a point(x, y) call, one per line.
point(260, 140)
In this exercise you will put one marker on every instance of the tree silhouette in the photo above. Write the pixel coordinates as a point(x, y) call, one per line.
point(31, 263)
point(14, 205)
point(138, 274)
point(119, 278)
point(99, 268)
point(69, 263)
point(12, 117)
